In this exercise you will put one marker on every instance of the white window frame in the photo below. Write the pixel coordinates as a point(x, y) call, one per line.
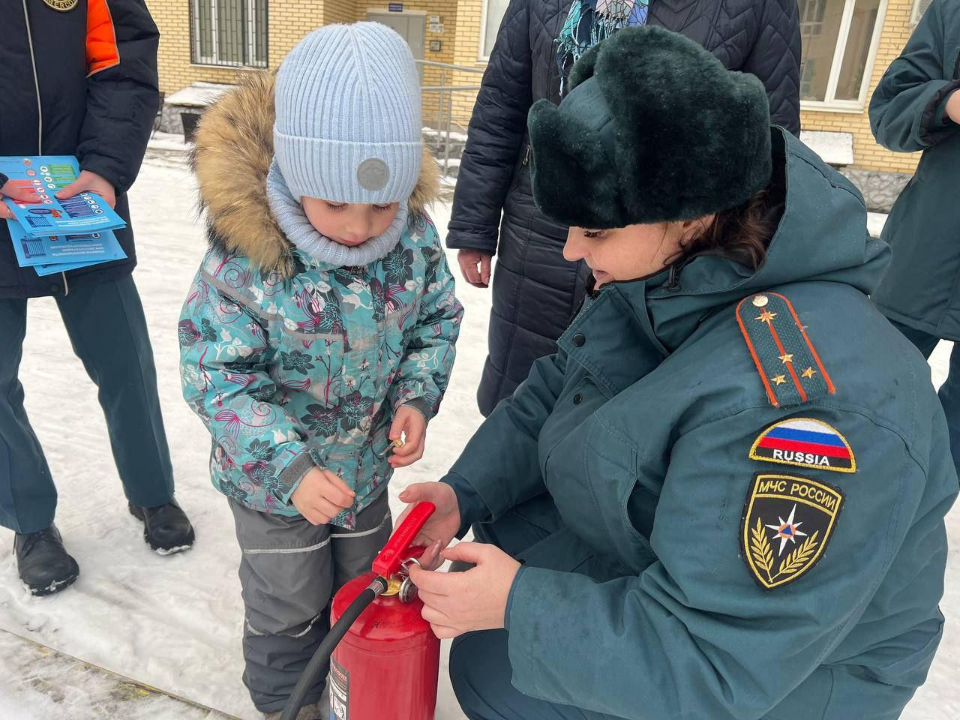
point(483, 32)
point(213, 60)
point(830, 103)
point(916, 14)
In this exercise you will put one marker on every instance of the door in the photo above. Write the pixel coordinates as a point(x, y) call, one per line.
point(412, 28)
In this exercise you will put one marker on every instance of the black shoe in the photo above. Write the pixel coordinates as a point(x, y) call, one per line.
point(165, 528)
point(44, 565)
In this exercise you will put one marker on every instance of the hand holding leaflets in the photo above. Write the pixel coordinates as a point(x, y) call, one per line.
point(59, 218)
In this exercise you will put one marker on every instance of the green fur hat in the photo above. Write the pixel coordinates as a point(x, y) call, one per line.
point(654, 129)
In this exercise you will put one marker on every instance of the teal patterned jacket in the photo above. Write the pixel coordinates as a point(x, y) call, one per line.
point(293, 364)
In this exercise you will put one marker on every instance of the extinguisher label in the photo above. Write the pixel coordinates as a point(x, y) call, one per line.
point(339, 692)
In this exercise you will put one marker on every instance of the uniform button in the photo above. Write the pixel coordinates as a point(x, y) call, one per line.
point(578, 398)
point(579, 340)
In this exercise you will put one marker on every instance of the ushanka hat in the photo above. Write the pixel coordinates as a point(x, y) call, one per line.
point(653, 129)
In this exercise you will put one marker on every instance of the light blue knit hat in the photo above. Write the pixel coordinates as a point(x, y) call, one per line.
point(348, 116)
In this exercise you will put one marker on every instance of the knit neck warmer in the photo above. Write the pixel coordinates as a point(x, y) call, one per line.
point(591, 21)
point(296, 226)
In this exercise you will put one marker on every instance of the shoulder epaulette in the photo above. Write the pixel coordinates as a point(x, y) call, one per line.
point(789, 366)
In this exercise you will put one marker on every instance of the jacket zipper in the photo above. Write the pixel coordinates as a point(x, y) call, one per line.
point(36, 84)
point(526, 157)
point(36, 80)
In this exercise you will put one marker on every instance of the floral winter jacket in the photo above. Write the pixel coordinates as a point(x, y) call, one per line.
point(292, 363)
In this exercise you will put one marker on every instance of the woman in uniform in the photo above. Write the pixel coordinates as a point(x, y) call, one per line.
point(723, 497)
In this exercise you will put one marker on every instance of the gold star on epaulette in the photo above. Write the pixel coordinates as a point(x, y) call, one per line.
point(790, 369)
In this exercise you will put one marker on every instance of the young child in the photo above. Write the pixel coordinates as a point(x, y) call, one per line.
point(319, 329)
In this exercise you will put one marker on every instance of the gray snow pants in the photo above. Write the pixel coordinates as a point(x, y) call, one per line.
point(289, 572)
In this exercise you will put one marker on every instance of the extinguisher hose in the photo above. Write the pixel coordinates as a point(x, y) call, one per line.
point(321, 657)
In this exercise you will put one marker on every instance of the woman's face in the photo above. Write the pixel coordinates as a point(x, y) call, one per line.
point(630, 252)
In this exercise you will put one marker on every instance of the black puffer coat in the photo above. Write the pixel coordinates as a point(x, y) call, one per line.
point(535, 291)
point(77, 77)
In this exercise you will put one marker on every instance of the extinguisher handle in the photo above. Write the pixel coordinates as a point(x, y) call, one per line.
point(398, 546)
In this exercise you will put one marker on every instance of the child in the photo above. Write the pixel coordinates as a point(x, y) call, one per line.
point(320, 327)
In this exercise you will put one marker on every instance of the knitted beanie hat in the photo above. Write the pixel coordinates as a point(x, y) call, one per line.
point(654, 129)
point(348, 116)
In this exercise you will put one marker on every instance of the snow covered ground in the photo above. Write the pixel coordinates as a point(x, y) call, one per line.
point(174, 623)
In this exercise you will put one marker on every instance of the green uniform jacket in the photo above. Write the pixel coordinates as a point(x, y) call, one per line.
point(907, 114)
point(641, 429)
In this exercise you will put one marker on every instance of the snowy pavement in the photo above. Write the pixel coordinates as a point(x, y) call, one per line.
point(174, 623)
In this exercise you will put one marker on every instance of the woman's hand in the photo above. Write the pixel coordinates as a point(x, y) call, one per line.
point(953, 107)
point(321, 496)
point(23, 195)
point(461, 602)
point(413, 425)
point(442, 526)
point(90, 181)
point(475, 266)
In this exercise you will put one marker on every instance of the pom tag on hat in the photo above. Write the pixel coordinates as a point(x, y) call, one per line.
point(373, 174)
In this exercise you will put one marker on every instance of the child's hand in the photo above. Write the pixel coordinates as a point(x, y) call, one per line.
point(413, 424)
point(321, 496)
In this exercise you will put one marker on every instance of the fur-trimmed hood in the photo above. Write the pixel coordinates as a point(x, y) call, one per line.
point(231, 159)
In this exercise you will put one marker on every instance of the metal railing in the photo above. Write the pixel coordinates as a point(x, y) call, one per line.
point(445, 97)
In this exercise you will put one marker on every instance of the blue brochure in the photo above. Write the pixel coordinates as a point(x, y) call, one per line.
point(46, 175)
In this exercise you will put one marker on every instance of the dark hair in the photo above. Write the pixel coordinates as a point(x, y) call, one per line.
point(741, 234)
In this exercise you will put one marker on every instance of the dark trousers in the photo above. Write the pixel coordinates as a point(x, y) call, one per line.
point(289, 572)
point(108, 332)
point(950, 390)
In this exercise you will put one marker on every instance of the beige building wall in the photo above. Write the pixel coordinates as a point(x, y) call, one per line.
point(290, 20)
point(897, 28)
point(467, 54)
point(176, 71)
point(431, 77)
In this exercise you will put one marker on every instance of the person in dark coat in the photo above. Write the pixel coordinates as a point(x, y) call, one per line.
point(79, 77)
point(917, 107)
point(535, 291)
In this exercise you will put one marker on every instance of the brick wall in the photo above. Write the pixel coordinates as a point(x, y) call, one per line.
point(290, 21)
point(868, 155)
point(173, 19)
point(467, 54)
point(447, 10)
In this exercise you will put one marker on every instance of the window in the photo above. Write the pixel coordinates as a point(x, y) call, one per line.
point(493, 11)
point(840, 40)
point(229, 32)
point(919, 8)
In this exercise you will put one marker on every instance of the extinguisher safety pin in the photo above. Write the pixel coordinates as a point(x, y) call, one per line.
point(408, 591)
point(405, 566)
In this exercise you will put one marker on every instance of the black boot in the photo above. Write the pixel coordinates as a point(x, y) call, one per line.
point(44, 565)
point(166, 528)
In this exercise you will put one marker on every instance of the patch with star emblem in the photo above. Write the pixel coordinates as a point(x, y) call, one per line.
point(789, 366)
point(787, 522)
point(804, 442)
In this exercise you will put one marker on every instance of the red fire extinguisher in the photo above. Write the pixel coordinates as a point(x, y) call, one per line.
point(386, 659)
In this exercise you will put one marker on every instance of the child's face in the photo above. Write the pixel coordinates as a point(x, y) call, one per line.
point(348, 224)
